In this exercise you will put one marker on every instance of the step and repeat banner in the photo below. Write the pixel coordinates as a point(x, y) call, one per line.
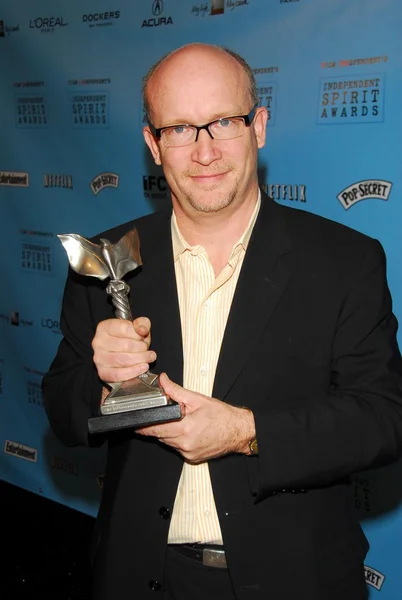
point(73, 160)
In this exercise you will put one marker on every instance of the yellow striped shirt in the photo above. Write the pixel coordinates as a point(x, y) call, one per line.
point(204, 302)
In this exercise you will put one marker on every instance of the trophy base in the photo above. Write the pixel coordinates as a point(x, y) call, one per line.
point(135, 403)
point(135, 418)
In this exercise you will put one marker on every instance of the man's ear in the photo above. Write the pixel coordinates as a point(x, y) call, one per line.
point(260, 125)
point(152, 144)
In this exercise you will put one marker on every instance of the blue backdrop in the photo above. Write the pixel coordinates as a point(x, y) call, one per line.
point(72, 159)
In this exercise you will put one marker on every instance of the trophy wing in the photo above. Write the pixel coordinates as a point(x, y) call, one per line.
point(85, 258)
point(127, 253)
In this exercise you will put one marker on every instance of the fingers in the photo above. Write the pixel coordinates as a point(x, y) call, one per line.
point(142, 326)
point(121, 348)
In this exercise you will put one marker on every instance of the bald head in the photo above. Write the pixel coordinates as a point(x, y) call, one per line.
point(191, 65)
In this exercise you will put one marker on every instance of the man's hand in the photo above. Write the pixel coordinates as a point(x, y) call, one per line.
point(121, 349)
point(210, 427)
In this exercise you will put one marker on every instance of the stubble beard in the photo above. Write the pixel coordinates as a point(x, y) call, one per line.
point(217, 204)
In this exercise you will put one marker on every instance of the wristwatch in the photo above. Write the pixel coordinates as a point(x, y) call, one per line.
point(253, 446)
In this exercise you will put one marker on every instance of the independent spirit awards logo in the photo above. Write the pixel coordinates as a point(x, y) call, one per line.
point(352, 98)
point(30, 108)
point(267, 90)
point(20, 451)
point(158, 18)
point(104, 180)
point(47, 24)
point(376, 189)
point(362, 495)
point(34, 387)
point(101, 19)
point(36, 254)
point(90, 110)
point(14, 179)
point(7, 30)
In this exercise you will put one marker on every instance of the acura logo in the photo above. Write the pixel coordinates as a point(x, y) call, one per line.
point(157, 8)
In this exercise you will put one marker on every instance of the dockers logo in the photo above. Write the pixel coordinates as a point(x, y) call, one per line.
point(30, 111)
point(364, 190)
point(36, 256)
point(374, 578)
point(101, 19)
point(59, 181)
point(156, 20)
point(20, 451)
point(351, 99)
point(100, 479)
point(90, 111)
point(155, 187)
point(103, 180)
point(47, 24)
point(5, 31)
point(289, 192)
point(14, 179)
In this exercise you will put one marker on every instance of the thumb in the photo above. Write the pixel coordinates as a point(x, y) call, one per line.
point(177, 393)
point(172, 389)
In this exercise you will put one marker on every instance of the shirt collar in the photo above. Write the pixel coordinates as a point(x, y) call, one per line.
point(180, 245)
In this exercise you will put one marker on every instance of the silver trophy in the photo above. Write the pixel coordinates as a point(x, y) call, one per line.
point(139, 401)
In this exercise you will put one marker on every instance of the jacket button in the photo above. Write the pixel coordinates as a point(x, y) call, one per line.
point(164, 513)
point(155, 585)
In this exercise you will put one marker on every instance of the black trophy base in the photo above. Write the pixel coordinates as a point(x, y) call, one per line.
point(135, 418)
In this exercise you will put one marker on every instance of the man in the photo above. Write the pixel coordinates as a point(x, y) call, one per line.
point(273, 328)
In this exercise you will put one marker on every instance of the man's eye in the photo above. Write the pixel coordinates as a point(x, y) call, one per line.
point(179, 129)
point(225, 122)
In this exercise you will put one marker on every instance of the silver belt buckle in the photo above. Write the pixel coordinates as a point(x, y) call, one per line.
point(214, 558)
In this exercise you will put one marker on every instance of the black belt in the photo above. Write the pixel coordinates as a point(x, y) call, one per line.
point(211, 555)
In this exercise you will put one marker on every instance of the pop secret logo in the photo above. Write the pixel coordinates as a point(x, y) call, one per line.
point(364, 190)
point(373, 577)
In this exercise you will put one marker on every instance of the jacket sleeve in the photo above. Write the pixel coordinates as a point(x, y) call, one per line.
point(71, 388)
point(357, 425)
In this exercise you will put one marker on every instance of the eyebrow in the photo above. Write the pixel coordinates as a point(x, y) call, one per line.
point(214, 117)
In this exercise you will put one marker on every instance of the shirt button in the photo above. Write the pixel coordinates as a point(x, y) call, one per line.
point(164, 513)
point(207, 303)
point(203, 371)
point(207, 513)
point(155, 585)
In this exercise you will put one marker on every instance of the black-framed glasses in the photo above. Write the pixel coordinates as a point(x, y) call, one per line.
point(225, 128)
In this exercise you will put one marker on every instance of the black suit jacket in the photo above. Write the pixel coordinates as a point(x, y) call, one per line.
point(310, 346)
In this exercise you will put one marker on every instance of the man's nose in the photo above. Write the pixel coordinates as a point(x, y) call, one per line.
point(206, 149)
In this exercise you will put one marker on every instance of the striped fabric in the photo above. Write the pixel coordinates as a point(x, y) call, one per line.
point(204, 302)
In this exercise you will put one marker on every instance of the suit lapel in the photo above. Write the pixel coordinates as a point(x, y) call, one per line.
point(261, 283)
